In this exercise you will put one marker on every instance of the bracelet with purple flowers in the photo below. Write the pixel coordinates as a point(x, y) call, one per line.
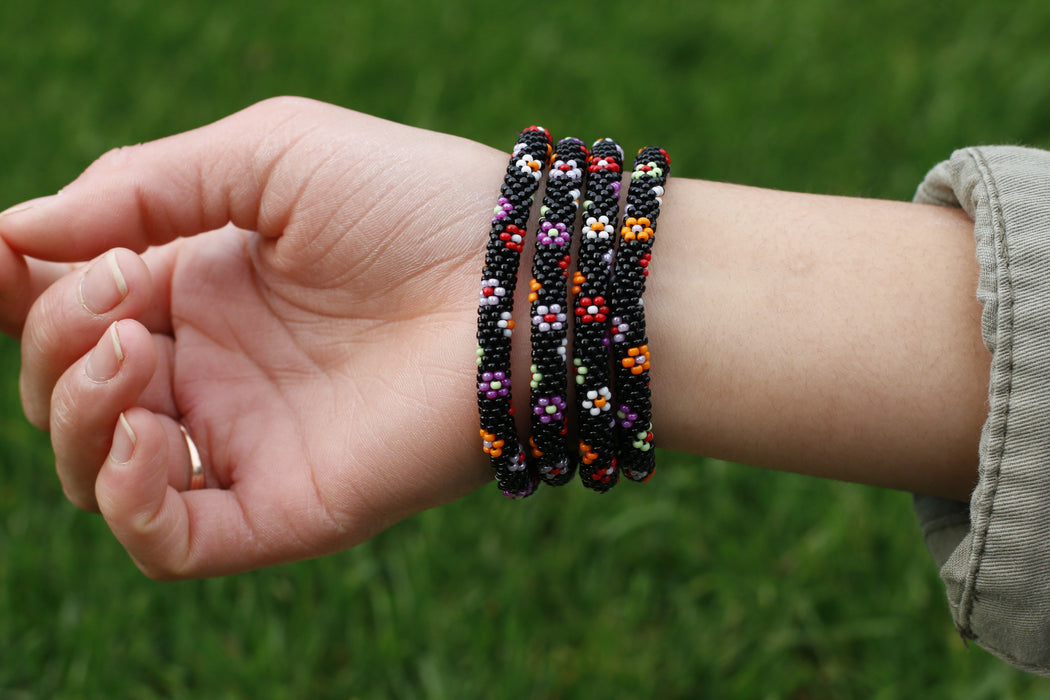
point(630, 344)
point(499, 435)
point(549, 304)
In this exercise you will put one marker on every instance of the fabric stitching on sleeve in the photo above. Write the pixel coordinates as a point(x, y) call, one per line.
point(1004, 343)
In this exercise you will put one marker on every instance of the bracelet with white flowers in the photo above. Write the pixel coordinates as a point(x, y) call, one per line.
point(549, 312)
point(595, 422)
point(630, 345)
point(499, 434)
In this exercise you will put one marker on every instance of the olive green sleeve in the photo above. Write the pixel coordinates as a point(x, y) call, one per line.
point(994, 553)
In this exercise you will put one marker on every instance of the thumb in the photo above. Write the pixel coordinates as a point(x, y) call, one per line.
point(197, 181)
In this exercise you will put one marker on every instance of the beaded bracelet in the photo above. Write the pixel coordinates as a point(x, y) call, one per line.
point(548, 289)
point(630, 345)
point(601, 208)
point(499, 434)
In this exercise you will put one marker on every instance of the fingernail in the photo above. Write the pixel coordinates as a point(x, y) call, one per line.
point(17, 209)
point(123, 441)
point(106, 357)
point(26, 206)
point(103, 286)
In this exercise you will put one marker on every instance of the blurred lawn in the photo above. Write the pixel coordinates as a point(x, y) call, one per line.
point(719, 580)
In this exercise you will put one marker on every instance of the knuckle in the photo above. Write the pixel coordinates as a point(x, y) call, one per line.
point(114, 159)
point(74, 468)
point(157, 552)
point(42, 360)
point(64, 415)
point(44, 321)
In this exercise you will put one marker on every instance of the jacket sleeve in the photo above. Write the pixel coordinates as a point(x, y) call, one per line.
point(994, 553)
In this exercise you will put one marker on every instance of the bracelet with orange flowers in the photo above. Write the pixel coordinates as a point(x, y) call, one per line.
point(549, 312)
point(630, 345)
point(594, 403)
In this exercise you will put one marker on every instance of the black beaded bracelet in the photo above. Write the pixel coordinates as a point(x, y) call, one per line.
point(499, 434)
point(549, 311)
point(630, 344)
point(595, 422)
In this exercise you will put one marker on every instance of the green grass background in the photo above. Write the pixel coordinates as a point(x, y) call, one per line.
point(714, 580)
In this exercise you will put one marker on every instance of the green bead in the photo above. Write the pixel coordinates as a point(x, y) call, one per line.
point(495, 385)
point(579, 379)
point(552, 409)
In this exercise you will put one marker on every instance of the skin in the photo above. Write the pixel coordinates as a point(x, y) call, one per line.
point(310, 318)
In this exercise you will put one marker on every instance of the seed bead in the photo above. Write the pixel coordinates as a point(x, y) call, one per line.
point(549, 310)
point(499, 436)
point(630, 344)
point(596, 458)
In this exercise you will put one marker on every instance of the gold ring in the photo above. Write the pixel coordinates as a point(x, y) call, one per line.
point(196, 467)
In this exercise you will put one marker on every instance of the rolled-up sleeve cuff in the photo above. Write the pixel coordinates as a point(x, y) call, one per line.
point(994, 553)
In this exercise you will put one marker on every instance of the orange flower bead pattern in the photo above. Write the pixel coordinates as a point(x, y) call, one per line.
point(551, 269)
point(639, 229)
point(637, 360)
point(591, 311)
point(498, 431)
point(630, 344)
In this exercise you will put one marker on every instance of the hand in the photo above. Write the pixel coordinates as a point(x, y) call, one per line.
point(296, 285)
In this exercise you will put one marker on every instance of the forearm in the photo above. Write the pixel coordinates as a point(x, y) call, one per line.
point(832, 336)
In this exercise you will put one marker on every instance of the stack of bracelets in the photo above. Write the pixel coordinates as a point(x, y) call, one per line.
point(614, 410)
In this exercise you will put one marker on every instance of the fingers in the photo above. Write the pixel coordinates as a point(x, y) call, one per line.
point(127, 367)
point(88, 400)
point(155, 522)
point(182, 185)
point(172, 534)
point(70, 317)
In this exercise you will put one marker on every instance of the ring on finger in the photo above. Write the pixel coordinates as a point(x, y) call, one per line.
point(196, 466)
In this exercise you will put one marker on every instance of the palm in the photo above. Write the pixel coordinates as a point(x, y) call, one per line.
point(294, 372)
